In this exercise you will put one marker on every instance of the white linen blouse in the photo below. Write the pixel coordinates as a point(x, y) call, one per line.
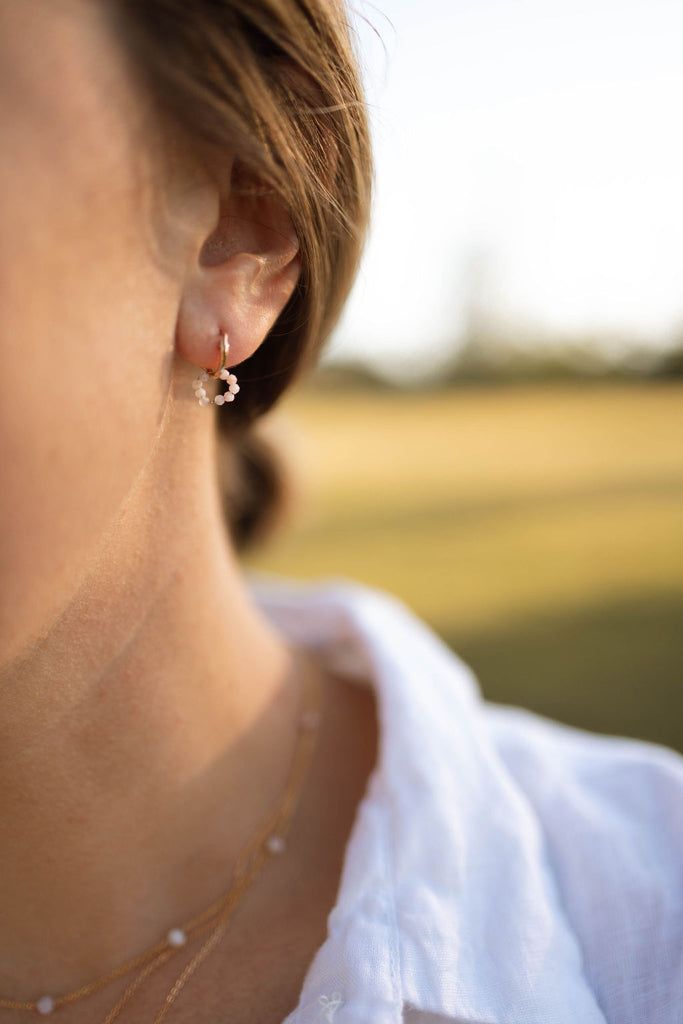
point(502, 868)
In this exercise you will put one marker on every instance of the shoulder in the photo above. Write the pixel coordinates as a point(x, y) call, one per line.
point(593, 772)
point(611, 813)
point(515, 868)
point(607, 803)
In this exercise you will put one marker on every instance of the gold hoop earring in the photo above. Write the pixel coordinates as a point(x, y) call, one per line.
point(221, 373)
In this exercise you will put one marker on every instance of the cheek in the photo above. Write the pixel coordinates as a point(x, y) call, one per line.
point(86, 329)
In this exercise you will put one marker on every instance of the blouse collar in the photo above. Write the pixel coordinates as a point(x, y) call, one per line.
point(447, 903)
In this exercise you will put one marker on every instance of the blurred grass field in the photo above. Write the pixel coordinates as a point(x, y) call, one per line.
point(538, 529)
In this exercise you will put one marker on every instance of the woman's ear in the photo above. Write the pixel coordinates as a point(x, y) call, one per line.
point(242, 278)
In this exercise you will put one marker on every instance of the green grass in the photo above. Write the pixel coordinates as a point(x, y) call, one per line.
point(539, 530)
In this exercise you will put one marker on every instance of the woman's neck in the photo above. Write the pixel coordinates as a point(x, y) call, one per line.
point(142, 740)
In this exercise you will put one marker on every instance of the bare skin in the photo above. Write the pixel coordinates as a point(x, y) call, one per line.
point(147, 712)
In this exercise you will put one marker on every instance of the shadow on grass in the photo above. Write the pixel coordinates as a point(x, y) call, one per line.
point(613, 668)
point(461, 510)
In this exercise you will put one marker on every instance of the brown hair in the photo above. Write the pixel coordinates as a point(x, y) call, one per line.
point(275, 82)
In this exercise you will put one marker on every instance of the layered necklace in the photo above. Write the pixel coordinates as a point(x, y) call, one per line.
point(269, 841)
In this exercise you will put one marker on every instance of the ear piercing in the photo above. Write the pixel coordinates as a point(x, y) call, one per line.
point(222, 373)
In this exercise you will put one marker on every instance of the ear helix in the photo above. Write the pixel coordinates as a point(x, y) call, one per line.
point(221, 373)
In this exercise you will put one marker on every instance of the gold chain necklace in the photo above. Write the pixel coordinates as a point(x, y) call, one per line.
point(269, 841)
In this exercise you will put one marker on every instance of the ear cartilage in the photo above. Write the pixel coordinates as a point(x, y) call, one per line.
point(221, 373)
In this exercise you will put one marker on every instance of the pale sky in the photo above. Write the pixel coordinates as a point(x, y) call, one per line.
point(531, 150)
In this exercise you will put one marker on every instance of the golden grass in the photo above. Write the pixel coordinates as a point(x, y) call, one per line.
point(501, 513)
point(482, 505)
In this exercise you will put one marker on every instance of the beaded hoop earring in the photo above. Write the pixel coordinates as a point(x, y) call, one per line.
point(222, 373)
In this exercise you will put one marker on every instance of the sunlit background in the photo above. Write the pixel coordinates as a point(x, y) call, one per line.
point(529, 169)
point(496, 433)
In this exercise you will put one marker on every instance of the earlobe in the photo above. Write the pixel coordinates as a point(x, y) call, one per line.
point(245, 273)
